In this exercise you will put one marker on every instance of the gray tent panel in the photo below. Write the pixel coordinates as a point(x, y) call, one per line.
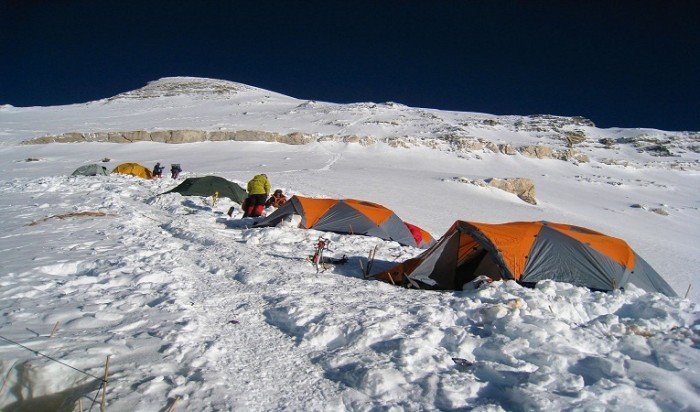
point(645, 277)
point(342, 218)
point(437, 269)
point(291, 207)
point(91, 170)
point(396, 230)
point(559, 257)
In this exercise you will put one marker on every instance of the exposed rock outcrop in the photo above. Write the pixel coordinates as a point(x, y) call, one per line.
point(508, 149)
point(661, 210)
point(451, 143)
point(522, 187)
point(546, 152)
point(175, 137)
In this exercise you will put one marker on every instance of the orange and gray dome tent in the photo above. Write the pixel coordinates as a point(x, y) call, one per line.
point(134, 169)
point(527, 252)
point(350, 216)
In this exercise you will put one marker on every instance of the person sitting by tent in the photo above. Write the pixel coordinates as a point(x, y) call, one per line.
point(258, 190)
point(175, 170)
point(158, 170)
point(276, 200)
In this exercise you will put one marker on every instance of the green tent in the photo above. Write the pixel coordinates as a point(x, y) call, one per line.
point(91, 170)
point(208, 185)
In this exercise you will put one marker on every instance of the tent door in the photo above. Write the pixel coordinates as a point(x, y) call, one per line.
point(477, 263)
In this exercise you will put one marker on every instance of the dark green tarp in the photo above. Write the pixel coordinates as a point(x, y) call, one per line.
point(208, 185)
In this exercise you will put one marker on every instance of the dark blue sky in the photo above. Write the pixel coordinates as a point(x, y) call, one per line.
point(620, 63)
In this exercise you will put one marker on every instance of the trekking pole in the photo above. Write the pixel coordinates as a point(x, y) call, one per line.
point(370, 259)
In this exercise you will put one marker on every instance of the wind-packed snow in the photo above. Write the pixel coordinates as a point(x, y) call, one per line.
point(197, 311)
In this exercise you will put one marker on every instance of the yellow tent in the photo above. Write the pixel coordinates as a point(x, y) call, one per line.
point(134, 169)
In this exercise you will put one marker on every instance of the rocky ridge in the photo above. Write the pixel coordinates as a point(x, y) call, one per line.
point(459, 144)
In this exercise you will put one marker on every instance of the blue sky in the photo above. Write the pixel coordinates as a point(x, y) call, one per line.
point(622, 63)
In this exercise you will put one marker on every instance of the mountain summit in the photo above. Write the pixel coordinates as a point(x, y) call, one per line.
point(190, 86)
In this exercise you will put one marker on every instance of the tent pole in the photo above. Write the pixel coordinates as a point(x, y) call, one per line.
point(104, 386)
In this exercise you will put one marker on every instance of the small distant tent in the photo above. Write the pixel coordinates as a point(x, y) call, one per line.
point(91, 170)
point(208, 185)
point(527, 252)
point(349, 216)
point(134, 169)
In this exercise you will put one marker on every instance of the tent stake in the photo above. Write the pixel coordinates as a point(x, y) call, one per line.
point(55, 328)
point(172, 407)
point(104, 386)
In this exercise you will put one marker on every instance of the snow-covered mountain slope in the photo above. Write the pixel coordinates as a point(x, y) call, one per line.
point(215, 105)
point(199, 311)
